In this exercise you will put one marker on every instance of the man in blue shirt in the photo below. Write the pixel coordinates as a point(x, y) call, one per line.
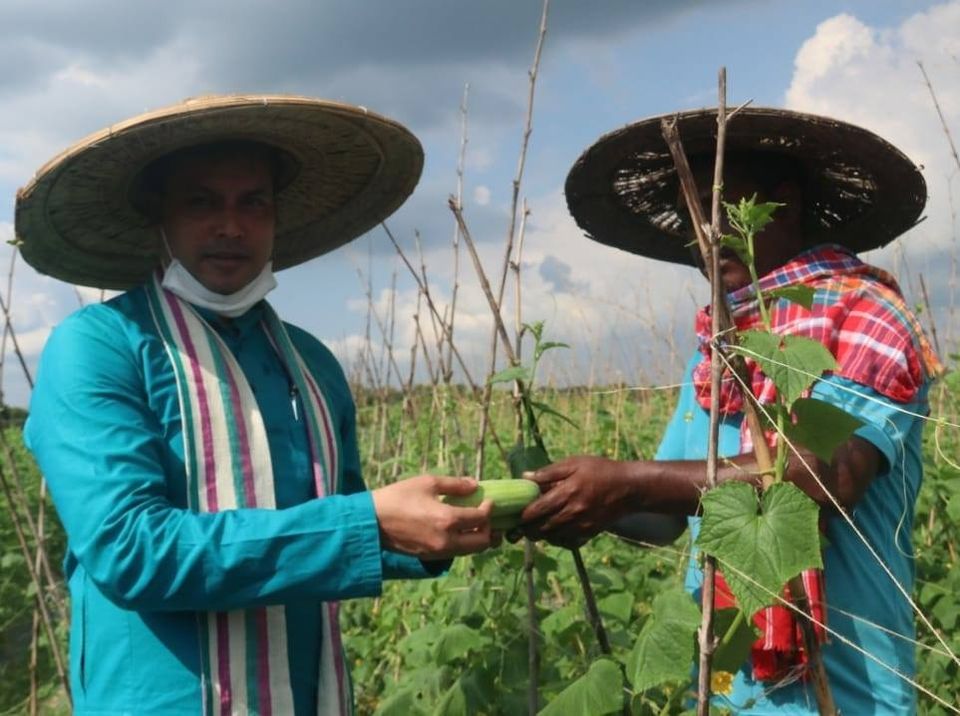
point(201, 454)
point(842, 190)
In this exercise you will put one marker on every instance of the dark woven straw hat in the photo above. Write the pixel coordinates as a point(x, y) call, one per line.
point(858, 189)
point(346, 169)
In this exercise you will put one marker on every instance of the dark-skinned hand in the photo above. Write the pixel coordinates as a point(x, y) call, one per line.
point(580, 497)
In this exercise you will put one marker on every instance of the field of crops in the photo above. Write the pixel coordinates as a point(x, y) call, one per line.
point(468, 643)
point(459, 644)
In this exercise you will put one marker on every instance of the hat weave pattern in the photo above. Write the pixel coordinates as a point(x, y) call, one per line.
point(77, 222)
point(859, 190)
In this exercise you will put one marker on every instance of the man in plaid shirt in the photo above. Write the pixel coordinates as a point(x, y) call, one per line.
point(842, 190)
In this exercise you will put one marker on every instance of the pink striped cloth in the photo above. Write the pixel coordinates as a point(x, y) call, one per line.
point(227, 458)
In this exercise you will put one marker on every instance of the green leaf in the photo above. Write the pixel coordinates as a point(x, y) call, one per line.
point(738, 245)
point(526, 459)
point(793, 363)
point(618, 605)
point(402, 703)
point(598, 692)
point(536, 328)
point(542, 348)
point(453, 702)
point(953, 508)
point(514, 372)
point(665, 648)
point(749, 217)
point(732, 653)
point(457, 641)
point(945, 613)
point(547, 410)
point(418, 645)
point(800, 295)
point(820, 427)
point(11, 560)
point(558, 622)
point(771, 545)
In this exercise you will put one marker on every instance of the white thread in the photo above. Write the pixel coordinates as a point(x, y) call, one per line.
point(846, 517)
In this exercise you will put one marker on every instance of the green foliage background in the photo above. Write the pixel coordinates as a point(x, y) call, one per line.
point(458, 645)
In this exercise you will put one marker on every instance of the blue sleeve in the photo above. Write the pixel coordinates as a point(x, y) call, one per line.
point(394, 564)
point(886, 424)
point(98, 442)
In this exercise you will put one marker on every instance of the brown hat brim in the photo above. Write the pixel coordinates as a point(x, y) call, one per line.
point(76, 221)
point(859, 190)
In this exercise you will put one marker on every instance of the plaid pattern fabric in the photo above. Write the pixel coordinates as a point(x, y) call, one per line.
point(859, 314)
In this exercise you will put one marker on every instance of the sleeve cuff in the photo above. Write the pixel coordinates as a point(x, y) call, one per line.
point(362, 548)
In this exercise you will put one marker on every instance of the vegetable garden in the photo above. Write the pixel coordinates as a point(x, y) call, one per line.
point(529, 628)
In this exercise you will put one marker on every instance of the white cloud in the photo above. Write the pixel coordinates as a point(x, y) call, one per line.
point(606, 308)
point(76, 74)
point(870, 77)
point(481, 195)
point(31, 342)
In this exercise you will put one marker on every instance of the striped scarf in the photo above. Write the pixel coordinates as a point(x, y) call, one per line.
point(244, 661)
point(859, 314)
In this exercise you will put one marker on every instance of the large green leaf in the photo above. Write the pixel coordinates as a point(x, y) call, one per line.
point(523, 459)
point(664, 650)
point(403, 703)
point(598, 692)
point(559, 621)
point(820, 427)
point(457, 641)
point(421, 687)
point(793, 363)
point(618, 605)
point(770, 544)
point(418, 646)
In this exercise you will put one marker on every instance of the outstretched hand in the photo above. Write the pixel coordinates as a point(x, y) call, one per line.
point(414, 521)
point(581, 496)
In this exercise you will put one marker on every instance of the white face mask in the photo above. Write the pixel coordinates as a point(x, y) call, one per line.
point(182, 283)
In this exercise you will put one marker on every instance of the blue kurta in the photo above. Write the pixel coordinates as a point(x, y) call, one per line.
point(861, 599)
point(105, 428)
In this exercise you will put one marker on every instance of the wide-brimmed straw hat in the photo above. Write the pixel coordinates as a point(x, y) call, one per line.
point(858, 189)
point(78, 221)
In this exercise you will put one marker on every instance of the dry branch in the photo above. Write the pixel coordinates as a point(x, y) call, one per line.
point(707, 240)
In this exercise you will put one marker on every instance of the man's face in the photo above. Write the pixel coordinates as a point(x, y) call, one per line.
point(219, 217)
point(779, 241)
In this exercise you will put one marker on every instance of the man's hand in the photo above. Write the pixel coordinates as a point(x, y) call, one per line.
point(414, 521)
point(582, 496)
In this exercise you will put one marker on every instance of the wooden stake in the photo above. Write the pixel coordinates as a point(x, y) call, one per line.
point(721, 324)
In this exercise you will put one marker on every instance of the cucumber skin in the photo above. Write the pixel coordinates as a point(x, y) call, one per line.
point(509, 498)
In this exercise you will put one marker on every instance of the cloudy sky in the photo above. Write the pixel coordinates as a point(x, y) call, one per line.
point(71, 68)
